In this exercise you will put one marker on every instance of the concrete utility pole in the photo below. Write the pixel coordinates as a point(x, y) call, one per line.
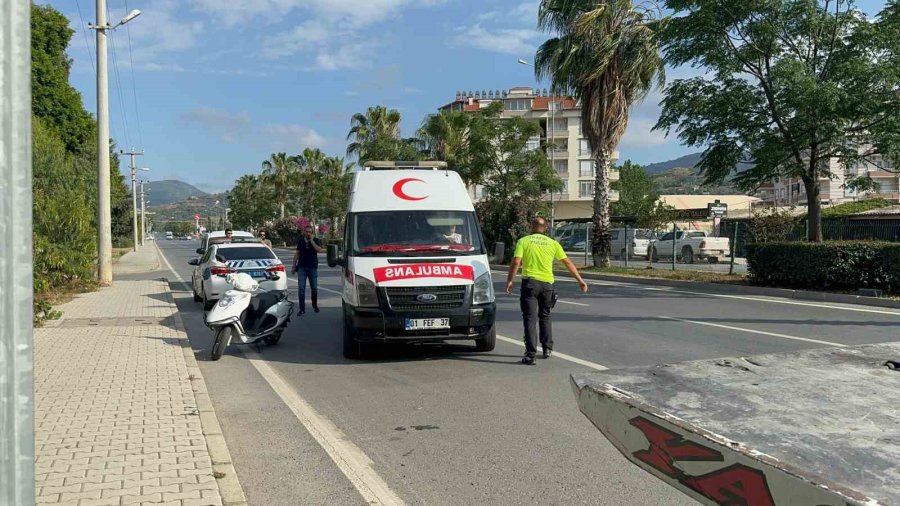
point(104, 213)
point(16, 385)
point(143, 214)
point(134, 220)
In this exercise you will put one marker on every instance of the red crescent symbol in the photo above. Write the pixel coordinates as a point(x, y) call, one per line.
point(398, 189)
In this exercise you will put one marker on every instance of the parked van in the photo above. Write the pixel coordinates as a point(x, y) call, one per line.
point(415, 266)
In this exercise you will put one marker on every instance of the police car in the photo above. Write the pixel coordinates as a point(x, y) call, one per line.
point(255, 259)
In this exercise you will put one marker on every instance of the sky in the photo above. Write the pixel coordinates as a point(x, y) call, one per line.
point(210, 88)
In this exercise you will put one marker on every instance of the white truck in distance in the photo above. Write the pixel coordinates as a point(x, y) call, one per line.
point(690, 245)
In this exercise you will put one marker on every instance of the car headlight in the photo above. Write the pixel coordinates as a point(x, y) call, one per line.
point(483, 291)
point(365, 288)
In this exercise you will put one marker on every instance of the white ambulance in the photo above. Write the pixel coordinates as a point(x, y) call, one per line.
point(415, 266)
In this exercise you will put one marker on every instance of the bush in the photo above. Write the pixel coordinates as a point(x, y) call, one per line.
point(826, 266)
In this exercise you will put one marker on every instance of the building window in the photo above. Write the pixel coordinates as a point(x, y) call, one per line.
point(584, 147)
point(586, 168)
point(565, 188)
point(555, 106)
point(560, 126)
point(561, 166)
point(517, 104)
point(532, 144)
point(585, 188)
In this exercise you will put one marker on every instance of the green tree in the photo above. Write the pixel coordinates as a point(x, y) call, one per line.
point(252, 203)
point(52, 97)
point(637, 192)
point(280, 172)
point(793, 86)
point(606, 55)
point(514, 177)
point(445, 136)
point(376, 136)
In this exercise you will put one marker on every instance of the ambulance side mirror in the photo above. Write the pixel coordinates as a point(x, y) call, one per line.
point(333, 257)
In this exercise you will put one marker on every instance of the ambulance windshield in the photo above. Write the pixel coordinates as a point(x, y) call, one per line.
point(415, 233)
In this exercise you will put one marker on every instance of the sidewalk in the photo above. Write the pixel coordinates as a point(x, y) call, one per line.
point(122, 415)
point(145, 259)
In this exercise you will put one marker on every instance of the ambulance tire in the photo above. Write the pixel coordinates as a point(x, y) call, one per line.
point(488, 342)
point(352, 347)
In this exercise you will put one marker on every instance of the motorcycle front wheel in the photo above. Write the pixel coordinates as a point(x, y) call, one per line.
point(223, 338)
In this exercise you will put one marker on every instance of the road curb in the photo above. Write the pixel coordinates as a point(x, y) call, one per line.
point(226, 476)
point(784, 293)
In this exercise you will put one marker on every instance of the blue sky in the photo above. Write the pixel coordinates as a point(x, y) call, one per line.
point(221, 84)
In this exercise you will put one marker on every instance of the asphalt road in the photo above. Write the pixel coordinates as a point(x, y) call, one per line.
point(446, 425)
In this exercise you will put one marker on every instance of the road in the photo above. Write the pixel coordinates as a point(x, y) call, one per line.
point(446, 425)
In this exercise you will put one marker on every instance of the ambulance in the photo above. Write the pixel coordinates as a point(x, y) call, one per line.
point(415, 266)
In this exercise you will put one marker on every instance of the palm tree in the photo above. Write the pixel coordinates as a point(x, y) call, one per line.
point(444, 136)
point(605, 54)
point(378, 124)
point(280, 171)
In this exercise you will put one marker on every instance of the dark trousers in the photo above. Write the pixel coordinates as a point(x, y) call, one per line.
point(536, 301)
point(312, 274)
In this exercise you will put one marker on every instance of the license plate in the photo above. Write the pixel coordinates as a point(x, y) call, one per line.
point(427, 323)
point(257, 274)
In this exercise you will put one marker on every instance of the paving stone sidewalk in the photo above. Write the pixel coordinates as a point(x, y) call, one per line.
point(117, 417)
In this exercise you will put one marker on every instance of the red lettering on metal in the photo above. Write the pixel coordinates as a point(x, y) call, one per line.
point(398, 272)
point(736, 485)
point(666, 447)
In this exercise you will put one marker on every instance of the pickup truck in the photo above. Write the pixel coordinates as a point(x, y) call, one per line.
point(806, 428)
point(689, 246)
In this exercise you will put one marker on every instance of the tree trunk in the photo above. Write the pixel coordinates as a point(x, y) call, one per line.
point(282, 210)
point(814, 211)
point(600, 244)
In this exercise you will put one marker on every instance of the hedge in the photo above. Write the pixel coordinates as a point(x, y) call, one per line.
point(826, 266)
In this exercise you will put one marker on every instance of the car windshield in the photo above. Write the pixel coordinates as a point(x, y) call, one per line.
point(246, 253)
point(415, 233)
point(642, 234)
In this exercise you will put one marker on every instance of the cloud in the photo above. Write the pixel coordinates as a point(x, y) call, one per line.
point(228, 127)
point(292, 137)
point(514, 41)
point(640, 134)
point(158, 31)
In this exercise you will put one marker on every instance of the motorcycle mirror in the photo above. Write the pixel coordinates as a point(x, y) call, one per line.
point(194, 261)
point(200, 251)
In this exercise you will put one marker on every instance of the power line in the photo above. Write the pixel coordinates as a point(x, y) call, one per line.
point(87, 45)
point(118, 80)
point(137, 113)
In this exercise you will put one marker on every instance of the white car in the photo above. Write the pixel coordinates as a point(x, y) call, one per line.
point(255, 259)
point(218, 237)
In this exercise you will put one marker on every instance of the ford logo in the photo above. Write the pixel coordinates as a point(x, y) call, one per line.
point(426, 297)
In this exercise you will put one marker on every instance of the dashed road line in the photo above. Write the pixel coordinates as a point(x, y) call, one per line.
point(556, 354)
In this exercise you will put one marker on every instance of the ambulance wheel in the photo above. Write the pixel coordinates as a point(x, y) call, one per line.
point(488, 342)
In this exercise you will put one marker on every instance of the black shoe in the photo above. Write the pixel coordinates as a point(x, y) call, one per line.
point(302, 312)
point(528, 360)
point(316, 309)
point(547, 353)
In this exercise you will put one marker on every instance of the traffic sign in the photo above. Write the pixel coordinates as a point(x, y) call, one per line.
point(196, 216)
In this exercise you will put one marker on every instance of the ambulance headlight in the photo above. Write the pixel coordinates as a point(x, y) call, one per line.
point(365, 288)
point(483, 291)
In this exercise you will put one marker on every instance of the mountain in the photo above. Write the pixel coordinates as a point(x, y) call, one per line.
point(162, 193)
point(684, 162)
point(185, 210)
point(685, 181)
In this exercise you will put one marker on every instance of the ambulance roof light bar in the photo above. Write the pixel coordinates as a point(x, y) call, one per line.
point(399, 165)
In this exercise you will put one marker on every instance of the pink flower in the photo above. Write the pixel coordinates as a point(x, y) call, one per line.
point(301, 222)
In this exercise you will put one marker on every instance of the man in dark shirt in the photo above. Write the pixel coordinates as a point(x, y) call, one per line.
point(306, 263)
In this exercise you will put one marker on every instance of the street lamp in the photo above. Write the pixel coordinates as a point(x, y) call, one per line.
point(138, 234)
point(550, 131)
point(104, 213)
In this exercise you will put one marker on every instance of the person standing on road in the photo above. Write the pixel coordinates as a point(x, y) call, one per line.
point(306, 263)
point(535, 253)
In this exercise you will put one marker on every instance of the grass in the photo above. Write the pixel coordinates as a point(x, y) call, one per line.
point(118, 252)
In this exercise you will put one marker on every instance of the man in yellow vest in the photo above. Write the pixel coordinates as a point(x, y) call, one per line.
point(535, 253)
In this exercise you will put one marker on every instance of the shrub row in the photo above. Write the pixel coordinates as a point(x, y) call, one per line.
point(826, 266)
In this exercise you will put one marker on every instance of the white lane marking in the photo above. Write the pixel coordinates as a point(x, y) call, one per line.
point(351, 460)
point(560, 300)
point(752, 331)
point(172, 269)
point(563, 356)
point(771, 300)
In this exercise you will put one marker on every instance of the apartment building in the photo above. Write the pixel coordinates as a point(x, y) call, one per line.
point(560, 120)
point(832, 191)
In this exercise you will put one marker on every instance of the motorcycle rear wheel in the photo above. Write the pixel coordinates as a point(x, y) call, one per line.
point(223, 339)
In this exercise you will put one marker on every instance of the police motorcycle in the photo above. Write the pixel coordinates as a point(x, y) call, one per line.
point(248, 313)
